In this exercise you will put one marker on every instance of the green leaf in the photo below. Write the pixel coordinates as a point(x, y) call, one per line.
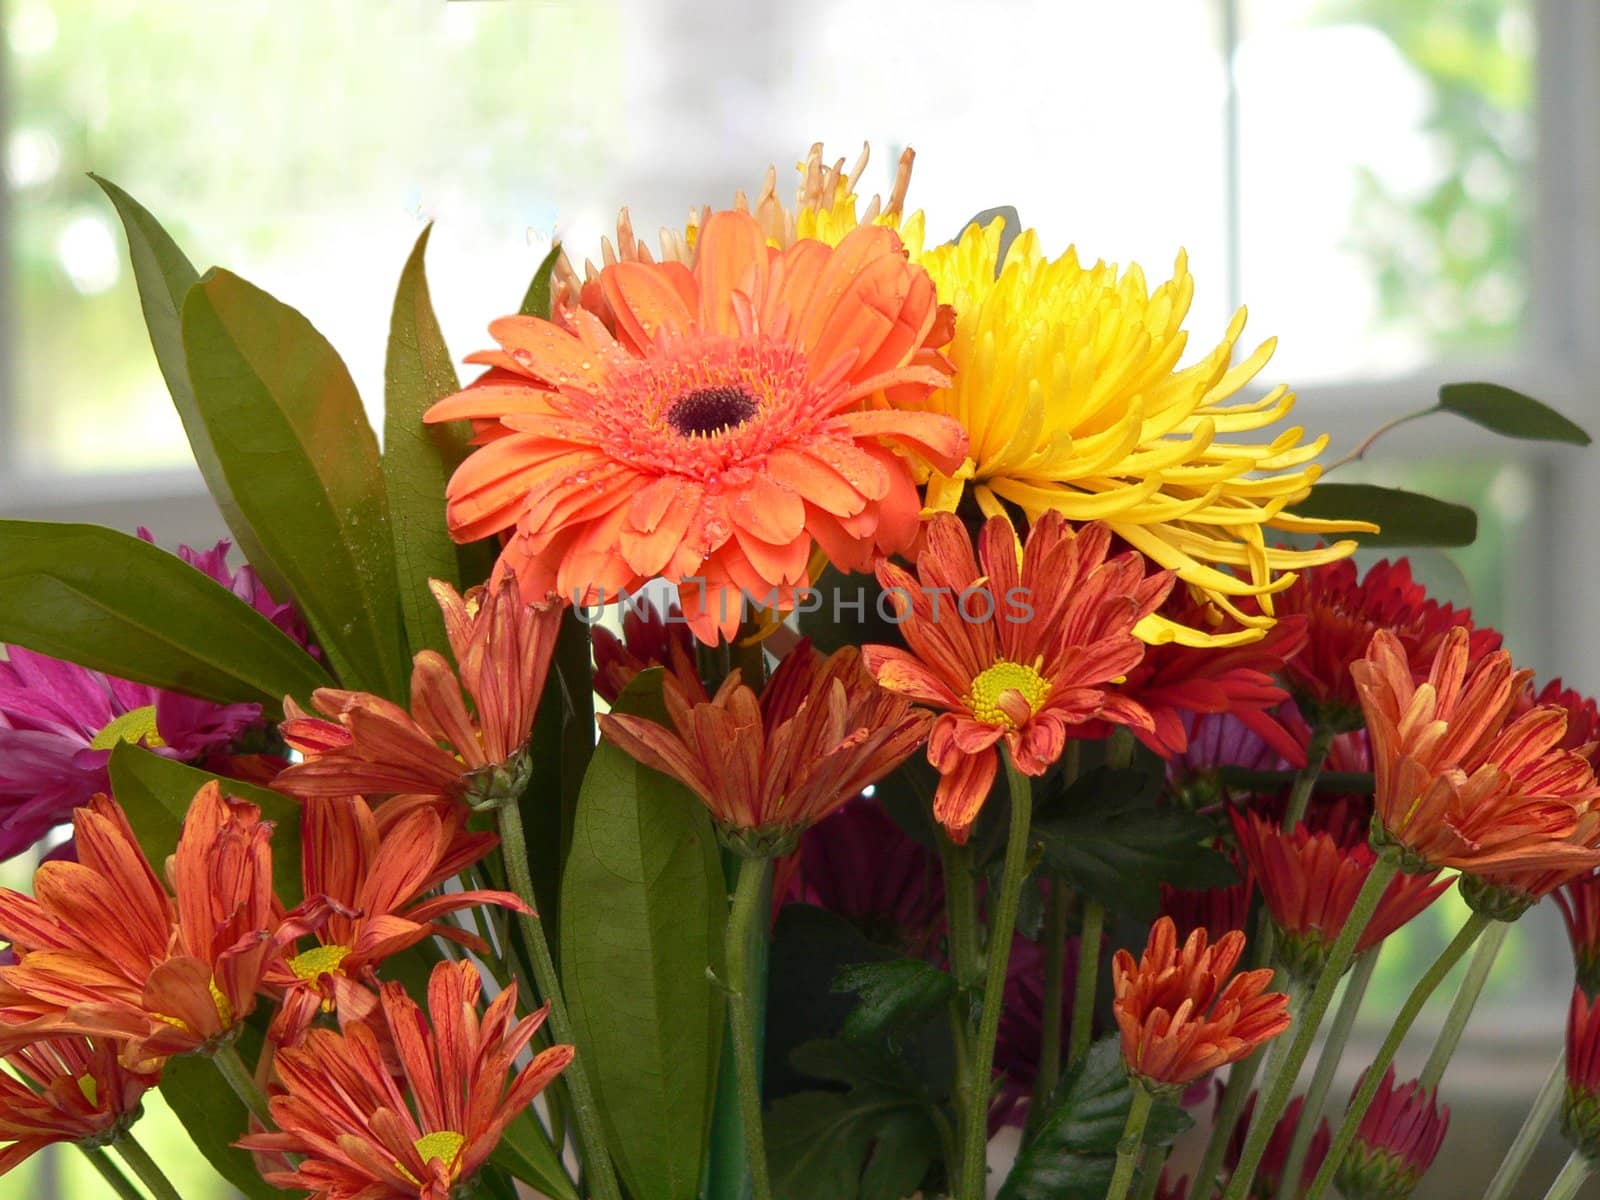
point(1073, 1152)
point(1404, 518)
point(214, 1117)
point(303, 465)
point(894, 994)
point(164, 276)
point(155, 792)
point(1112, 844)
point(418, 458)
point(120, 605)
point(526, 1151)
point(536, 300)
point(643, 910)
point(1509, 413)
point(874, 1141)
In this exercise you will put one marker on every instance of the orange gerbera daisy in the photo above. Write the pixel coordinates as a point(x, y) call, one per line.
point(374, 884)
point(725, 424)
point(1019, 650)
point(1179, 1012)
point(769, 768)
point(366, 745)
point(366, 1134)
point(1461, 783)
point(68, 1089)
point(104, 951)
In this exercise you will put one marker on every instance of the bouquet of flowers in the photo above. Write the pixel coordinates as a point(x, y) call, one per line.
point(820, 698)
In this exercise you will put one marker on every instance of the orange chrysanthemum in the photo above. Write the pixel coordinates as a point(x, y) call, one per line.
point(725, 424)
point(1461, 783)
point(366, 1134)
point(768, 768)
point(104, 951)
point(68, 1089)
point(1017, 650)
point(366, 745)
point(1309, 883)
point(1179, 1012)
point(374, 883)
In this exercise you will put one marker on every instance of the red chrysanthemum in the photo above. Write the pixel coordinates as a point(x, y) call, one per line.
point(1309, 882)
point(1268, 1179)
point(1579, 902)
point(1183, 1012)
point(728, 422)
point(68, 1089)
point(651, 637)
point(1342, 613)
point(1395, 1143)
point(1580, 1111)
point(1020, 649)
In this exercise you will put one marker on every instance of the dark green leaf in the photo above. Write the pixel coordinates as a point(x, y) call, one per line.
point(1404, 518)
point(1073, 1151)
point(120, 605)
point(303, 465)
point(904, 991)
point(155, 793)
point(536, 300)
point(1119, 849)
point(418, 458)
point(1333, 782)
point(214, 1117)
point(642, 918)
point(819, 1141)
point(1509, 413)
point(164, 276)
point(527, 1153)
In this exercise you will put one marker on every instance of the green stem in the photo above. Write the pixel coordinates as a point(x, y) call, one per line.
point(1371, 438)
point(1129, 1144)
point(1002, 924)
point(111, 1173)
point(1270, 1106)
point(961, 920)
point(1088, 981)
point(1237, 1090)
point(226, 1059)
point(1571, 1178)
point(1151, 1160)
point(1306, 780)
point(1344, 1019)
point(1055, 962)
point(154, 1180)
point(1455, 1023)
point(598, 1169)
point(1545, 1107)
point(747, 931)
point(1431, 979)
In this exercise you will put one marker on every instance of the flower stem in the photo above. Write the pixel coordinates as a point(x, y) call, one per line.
point(961, 919)
point(752, 900)
point(1545, 1107)
point(1344, 1019)
point(1129, 1144)
point(1300, 793)
point(1272, 1104)
point(1455, 1024)
point(1055, 961)
point(154, 1180)
point(226, 1059)
point(1371, 439)
point(1234, 1094)
point(1094, 924)
point(1002, 923)
point(111, 1173)
point(1425, 987)
point(598, 1168)
point(1151, 1161)
point(1572, 1175)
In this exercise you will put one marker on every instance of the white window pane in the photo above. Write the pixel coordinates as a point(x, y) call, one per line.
point(1386, 153)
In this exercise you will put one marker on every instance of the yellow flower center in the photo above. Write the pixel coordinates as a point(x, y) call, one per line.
point(318, 961)
point(224, 1009)
point(90, 1089)
point(445, 1145)
point(136, 725)
point(1007, 694)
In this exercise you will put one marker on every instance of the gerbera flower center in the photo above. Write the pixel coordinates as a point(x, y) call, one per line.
point(443, 1144)
point(1007, 694)
point(711, 410)
point(135, 726)
point(318, 961)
